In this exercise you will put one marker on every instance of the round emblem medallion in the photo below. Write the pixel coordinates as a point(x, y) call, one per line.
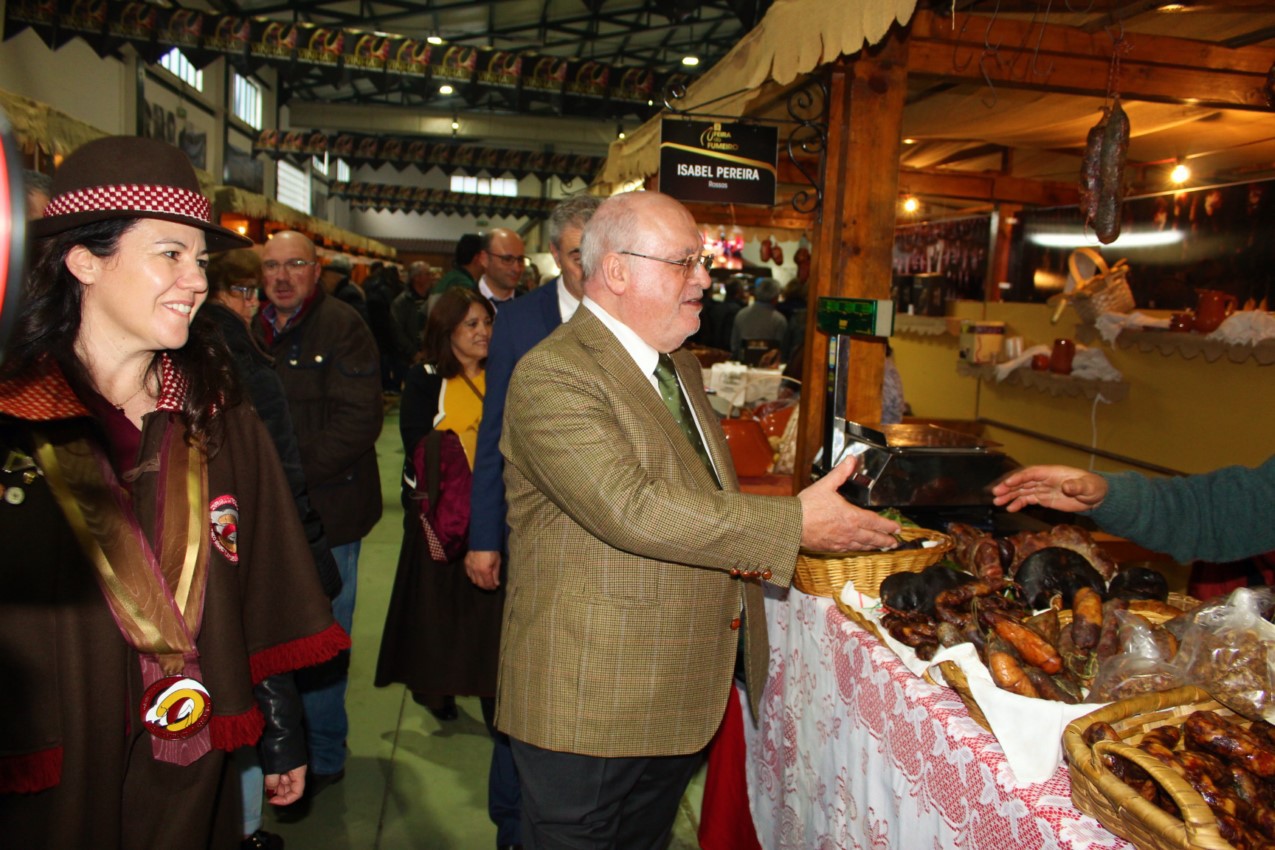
point(176, 707)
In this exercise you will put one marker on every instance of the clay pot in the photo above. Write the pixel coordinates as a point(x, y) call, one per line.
point(1212, 309)
point(1060, 360)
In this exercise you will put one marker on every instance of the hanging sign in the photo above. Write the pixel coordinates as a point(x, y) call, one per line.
point(718, 163)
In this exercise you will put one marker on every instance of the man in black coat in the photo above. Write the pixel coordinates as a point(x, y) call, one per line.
point(327, 359)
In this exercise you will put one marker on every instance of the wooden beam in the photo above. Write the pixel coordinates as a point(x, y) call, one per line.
point(854, 241)
point(1154, 68)
point(782, 216)
point(988, 186)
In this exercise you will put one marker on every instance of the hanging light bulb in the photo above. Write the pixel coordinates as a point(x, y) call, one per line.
point(445, 89)
point(911, 204)
point(690, 61)
point(434, 39)
point(619, 132)
point(1180, 174)
point(455, 124)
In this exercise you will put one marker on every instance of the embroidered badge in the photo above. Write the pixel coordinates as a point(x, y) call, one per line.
point(225, 527)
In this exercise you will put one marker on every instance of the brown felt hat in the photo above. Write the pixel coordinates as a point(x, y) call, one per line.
point(130, 177)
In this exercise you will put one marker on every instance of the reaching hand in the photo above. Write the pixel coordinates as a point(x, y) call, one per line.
point(483, 569)
point(1061, 488)
point(831, 524)
point(284, 789)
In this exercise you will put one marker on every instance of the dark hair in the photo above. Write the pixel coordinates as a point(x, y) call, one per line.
point(448, 312)
point(50, 319)
point(468, 247)
point(229, 267)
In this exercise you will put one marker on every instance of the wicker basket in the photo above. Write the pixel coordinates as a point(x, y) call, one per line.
point(826, 573)
point(1107, 291)
point(859, 620)
point(1098, 793)
point(956, 677)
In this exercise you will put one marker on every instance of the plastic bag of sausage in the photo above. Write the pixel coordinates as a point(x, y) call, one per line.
point(1142, 666)
point(1227, 647)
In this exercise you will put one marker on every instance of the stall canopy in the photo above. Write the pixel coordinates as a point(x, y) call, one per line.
point(39, 126)
point(231, 199)
point(794, 38)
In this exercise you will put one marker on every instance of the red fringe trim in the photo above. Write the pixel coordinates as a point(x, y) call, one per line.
point(304, 652)
point(237, 730)
point(27, 774)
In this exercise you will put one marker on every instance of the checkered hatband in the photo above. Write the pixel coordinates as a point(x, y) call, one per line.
point(134, 197)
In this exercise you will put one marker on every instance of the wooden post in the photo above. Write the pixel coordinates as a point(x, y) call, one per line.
point(855, 234)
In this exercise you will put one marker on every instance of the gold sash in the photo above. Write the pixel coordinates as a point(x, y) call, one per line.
point(156, 597)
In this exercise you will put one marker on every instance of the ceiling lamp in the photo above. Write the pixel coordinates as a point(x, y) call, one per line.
point(690, 61)
point(445, 89)
point(619, 132)
point(911, 204)
point(434, 39)
point(1180, 174)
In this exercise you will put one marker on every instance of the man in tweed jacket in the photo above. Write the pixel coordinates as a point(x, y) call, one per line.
point(631, 566)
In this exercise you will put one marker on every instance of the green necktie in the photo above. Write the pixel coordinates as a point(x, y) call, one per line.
point(671, 392)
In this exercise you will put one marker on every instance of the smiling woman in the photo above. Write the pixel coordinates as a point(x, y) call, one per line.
point(141, 590)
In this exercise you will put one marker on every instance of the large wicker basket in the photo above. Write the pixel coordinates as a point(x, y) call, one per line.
point(1098, 793)
point(826, 573)
point(957, 681)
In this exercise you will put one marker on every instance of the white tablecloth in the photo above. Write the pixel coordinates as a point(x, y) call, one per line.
point(854, 751)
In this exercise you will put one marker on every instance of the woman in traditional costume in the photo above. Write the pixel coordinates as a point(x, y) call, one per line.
point(156, 588)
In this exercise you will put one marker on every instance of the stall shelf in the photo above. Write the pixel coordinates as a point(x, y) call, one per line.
point(1048, 382)
point(1187, 345)
point(851, 750)
point(926, 325)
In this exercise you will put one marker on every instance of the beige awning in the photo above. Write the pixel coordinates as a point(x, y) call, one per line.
point(232, 199)
point(38, 125)
point(795, 37)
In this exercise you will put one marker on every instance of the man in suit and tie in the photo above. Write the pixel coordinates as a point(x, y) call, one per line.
point(634, 559)
point(520, 325)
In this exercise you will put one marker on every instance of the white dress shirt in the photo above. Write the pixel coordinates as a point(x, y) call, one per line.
point(646, 358)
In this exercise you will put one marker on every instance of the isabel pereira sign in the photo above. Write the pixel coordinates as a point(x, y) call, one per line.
point(718, 163)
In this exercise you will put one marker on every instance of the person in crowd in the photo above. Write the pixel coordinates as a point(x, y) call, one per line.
point(893, 405)
point(468, 265)
point(1220, 516)
point(794, 298)
point(38, 186)
point(518, 329)
point(409, 310)
point(442, 632)
point(734, 298)
point(335, 276)
point(157, 589)
point(793, 346)
point(759, 320)
point(530, 279)
point(327, 360)
point(504, 261)
point(233, 280)
point(634, 560)
point(381, 292)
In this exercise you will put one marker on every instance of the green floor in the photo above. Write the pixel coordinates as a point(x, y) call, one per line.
point(410, 781)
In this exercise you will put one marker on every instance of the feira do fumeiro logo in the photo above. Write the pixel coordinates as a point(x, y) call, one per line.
point(714, 138)
point(176, 707)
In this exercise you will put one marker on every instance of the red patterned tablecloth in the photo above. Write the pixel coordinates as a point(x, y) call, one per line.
point(853, 751)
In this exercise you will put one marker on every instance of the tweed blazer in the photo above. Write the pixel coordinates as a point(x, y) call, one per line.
point(619, 628)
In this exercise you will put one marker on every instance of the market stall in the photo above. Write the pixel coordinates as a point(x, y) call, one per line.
point(853, 750)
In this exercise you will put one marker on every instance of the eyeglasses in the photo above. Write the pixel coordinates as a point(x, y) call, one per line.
point(244, 292)
point(290, 266)
point(510, 258)
point(704, 261)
